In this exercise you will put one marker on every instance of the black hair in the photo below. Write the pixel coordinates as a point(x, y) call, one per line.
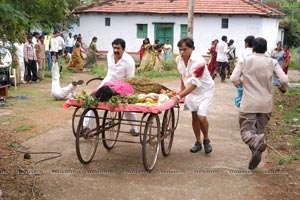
point(187, 41)
point(259, 45)
point(94, 38)
point(224, 37)
point(35, 33)
point(119, 41)
point(249, 40)
point(105, 93)
point(231, 41)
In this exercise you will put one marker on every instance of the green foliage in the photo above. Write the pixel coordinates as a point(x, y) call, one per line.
point(20, 16)
point(91, 101)
point(87, 100)
point(294, 62)
point(292, 32)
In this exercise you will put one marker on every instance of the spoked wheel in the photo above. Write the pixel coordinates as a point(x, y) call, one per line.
point(151, 141)
point(111, 127)
point(76, 118)
point(87, 137)
point(167, 132)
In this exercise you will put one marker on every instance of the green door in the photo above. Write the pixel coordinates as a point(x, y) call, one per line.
point(164, 31)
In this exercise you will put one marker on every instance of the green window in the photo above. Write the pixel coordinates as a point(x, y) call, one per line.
point(183, 31)
point(224, 23)
point(142, 30)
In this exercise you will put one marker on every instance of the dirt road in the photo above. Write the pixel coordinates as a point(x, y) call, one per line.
point(119, 173)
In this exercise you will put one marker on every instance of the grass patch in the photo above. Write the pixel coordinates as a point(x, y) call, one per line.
point(291, 116)
point(295, 141)
point(99, 70)
point(294, 62)
point(156, 74)
point(24, 127)
point(287, 159)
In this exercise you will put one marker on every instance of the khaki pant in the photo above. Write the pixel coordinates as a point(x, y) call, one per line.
point(253, 127)
point(41, 71)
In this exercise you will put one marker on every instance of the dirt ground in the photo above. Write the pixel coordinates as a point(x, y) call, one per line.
point(119, 173)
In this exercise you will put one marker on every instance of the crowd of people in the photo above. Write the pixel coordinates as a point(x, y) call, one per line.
point(155, 56)
point(33, 54)
point(251, 73)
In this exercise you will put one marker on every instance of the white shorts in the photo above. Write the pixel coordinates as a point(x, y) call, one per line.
point(201, 106)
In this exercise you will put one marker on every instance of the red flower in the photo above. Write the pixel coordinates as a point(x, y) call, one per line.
point(198, 73)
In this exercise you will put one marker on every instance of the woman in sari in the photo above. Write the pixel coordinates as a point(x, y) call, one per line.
point(212, 65)
point(92, 55)
point(148, 59)
point(76, 62)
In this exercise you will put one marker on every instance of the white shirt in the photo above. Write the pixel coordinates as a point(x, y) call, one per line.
point(222, 52)
point(61, 42)
point(124, 68)
point(168, 47)
point(204, 83)
point(247, 52)
point(19, 50)
point(54, 44)
point(69, 41)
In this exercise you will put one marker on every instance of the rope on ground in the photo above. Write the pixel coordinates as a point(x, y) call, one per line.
point(26, 153)
point(275, 150)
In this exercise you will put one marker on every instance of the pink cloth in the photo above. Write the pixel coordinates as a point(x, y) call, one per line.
point(120, 87)
point(126, 107)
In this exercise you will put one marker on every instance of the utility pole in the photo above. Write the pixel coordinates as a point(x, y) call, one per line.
point(191, 18)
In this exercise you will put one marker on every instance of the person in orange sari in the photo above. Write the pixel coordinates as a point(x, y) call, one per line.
point(76, 62)
point(212, 65)
point(287, 59)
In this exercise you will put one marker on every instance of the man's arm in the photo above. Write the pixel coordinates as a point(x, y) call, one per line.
point(282, 77)
point(236, 74)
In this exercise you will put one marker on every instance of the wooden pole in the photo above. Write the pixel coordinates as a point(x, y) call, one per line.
point(191, 18)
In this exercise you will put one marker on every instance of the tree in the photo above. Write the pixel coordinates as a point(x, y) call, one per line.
point(291, 9)
point(18, 15)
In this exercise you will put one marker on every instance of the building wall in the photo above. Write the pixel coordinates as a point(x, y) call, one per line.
point(206, 29)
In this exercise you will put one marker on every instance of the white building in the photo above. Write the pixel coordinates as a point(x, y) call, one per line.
point(133, 20)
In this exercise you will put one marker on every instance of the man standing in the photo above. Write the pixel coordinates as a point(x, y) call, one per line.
point(222, 57)
point(47, 40)
point(70, 43)
point(30, 60)
point(120, 66)
point(256, 106)
point(198, 88)
point(41, 56)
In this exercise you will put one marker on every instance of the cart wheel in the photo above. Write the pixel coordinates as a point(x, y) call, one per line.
point(111, 127)
point(75, 119)
point(150, 147)
point(168, 126)
point(87, 138)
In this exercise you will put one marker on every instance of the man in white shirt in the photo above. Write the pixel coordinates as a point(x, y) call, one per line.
point(198, 88)
point(54, 45)
point(70, 43)
point(222, 57)
point(256, 71)
point(248, 46)
point(120, 66)
point(61, 44)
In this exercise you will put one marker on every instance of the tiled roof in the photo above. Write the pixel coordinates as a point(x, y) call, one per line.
point(230, 7)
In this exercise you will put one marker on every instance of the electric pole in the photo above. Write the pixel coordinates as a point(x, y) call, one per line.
point(191, 18)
